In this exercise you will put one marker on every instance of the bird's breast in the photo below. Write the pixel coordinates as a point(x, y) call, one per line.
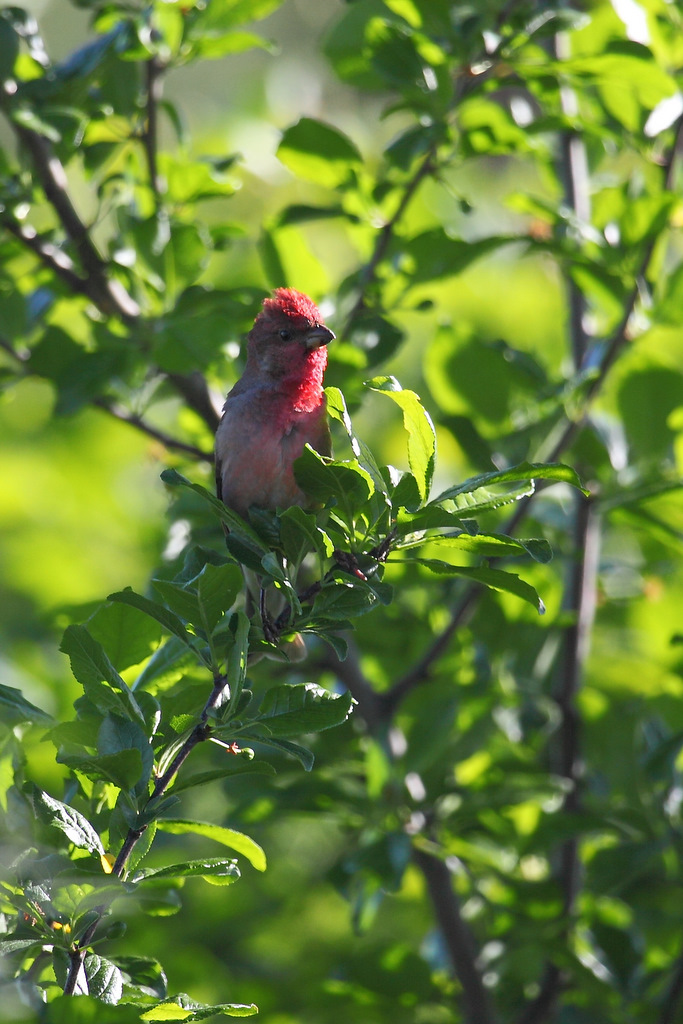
point(257, 443)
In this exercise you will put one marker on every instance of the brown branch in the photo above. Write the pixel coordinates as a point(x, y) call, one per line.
point(119, 412)
point(194, 389)
point(457, 937)
point(371, 704)
point(421, 672)
point(51, 256)
point(110, 296)
point(200, 732)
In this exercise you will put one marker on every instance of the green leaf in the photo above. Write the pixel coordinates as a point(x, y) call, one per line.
point(495, 545)
point(16, 709)
point(494, 579)
point(166, 665)
point(103, 978)
point(181, 600)
point(91, 667)
point(298, 213)
point(235, 766)
point(273, 266)
point(336, 407)
point(216, 867)
point(318, 152)
point(300, 533)
point(123, 769)
point(143, 973)
point(525, 471)
point(218, 587)
point(343, 485)
point(302, 754)
point(217, 18)
point(432, 254)
point(156, 611)
point(247, 535)
point(212, 47)
point(127, 636)
point(343, 600)
point(9, 49)
point(189, 181)
point(12, 945)
point(421, 433)
point(71, 822)
point(226, 836)
point(117, 736)
point(236, 667)
point(290, 710)
point(182, 1008)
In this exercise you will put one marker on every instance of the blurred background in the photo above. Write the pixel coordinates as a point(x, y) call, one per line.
point(84, 513)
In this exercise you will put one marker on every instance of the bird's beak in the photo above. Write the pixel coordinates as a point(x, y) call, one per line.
point(318, 336)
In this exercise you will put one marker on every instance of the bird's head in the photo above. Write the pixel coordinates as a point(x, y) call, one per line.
point(289, 338)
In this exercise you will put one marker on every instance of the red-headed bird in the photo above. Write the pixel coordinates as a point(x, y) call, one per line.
point(275, 408)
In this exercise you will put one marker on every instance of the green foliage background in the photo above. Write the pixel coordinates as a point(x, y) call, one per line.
point(485, 199)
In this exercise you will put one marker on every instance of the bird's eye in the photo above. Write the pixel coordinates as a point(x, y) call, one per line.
point(285, 334)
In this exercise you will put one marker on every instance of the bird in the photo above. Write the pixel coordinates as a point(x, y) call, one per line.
point(275, 408)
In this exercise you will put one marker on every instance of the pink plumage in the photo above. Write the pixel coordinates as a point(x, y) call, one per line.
point(275, 408)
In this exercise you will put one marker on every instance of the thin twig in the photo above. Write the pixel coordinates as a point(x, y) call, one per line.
point(119, 412)
point(457, 937)
point(369, 273)
point(200, 732)
point(573, 169)
point(153, 72)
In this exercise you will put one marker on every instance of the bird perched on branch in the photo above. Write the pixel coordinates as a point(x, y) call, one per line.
point(275, 408)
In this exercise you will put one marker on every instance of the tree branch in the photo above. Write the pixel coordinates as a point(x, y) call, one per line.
point(369, 273)
point(194, 389)
point(154, 81)
point(119, 412)
point(51, 256)
point(669, 1014)
point(457, 937)
point(200, 732)
point(109, 295)
point(613, 350)
point(371, 704)
point(573, 170)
